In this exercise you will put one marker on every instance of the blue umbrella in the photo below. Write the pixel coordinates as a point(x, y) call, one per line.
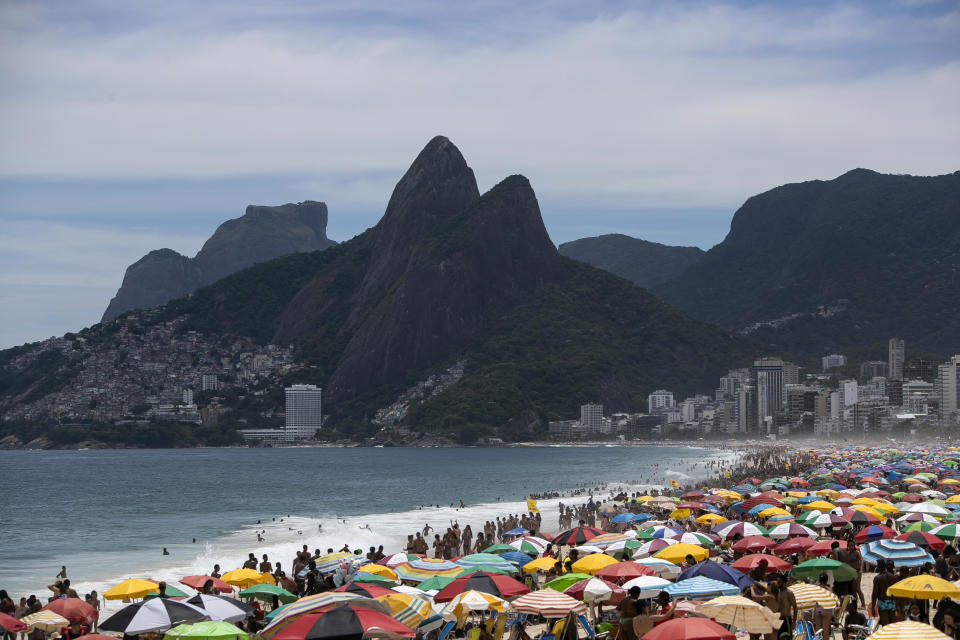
point(900, 552)
point(744, 488)
point(760, 507)
point(516, 532)
point(624, 517)
point(642, 517)
point(516, 557)
point(700, 587)
point(716, 571)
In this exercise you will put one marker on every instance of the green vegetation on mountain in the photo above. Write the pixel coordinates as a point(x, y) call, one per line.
point(644, 263)
point(836, 264)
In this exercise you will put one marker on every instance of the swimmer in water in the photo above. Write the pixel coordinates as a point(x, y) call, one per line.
point(366, 526)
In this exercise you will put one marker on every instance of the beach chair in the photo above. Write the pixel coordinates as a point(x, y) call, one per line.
point(803, 630)
point(840, 614)
point(862, 632)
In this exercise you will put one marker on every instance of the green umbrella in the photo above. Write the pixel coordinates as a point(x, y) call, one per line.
point(436, 582)
point(921, 526)
point(266, 592)
point(486, 569)
point(172, 592)
point(564, 581)
point(499, 548)
point(947, 532)
point(206, 631)
point(644, 535)
point(373, 578)
point(813, 568)
point(273, 614)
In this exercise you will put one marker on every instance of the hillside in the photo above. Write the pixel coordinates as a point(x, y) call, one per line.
point(644, 263)
point(824, 265)
point(261, 234)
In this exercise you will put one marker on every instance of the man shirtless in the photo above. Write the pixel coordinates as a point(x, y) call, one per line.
point(885, 606)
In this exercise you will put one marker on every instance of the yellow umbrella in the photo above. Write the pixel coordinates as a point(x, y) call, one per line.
point(867, 501)
point(925, 587)
point(742, 613)
point(954, 499)
point(47, 620)
point(540, 564)
point(774, 511)
point(380, 570)
point(407, 609)
point(950, 481)
point(245, 578)
point(644, 498)
point(592, 563)
point(866, 509)
point(714, 518)
point(809, 596)
point(676, 553)
point(884, 507)
point(907, 630)
point(821, 505)
point(828, 493)
point(131, 588)
point(678, 514)
point(797, 494)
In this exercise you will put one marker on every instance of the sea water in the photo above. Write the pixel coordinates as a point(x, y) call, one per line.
point(108, 515)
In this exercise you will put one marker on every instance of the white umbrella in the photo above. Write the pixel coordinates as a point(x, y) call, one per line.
point(661, 566)
point(742, 613)
point(222, 607)
point(924, 517)
point(928, 508)
point(649, 586)
point(588, 549)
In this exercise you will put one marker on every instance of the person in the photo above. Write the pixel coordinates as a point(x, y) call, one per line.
point(63, 573)
point(266, 566)
point(165, 552)
point(62, 590)
point(854, 617)
point(216, 571)
point(162, 589)
point(884, 605)
point(628, 608)
point(950, 628)
point(251, 562)
point(665, 610)
point(93, 599)
point(6, 603)
point(822, 616)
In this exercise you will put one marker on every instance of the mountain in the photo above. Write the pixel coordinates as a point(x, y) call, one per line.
point(451, 275)
point(824, 265)
point(261, 234)
point(644, 263)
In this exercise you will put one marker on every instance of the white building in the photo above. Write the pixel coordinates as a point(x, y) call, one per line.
point(660, 400)
point(208, 382)
point(848, 392)
point(895, 359)
point(303, 409)
point(833, 361)
point(949, 383)
point(591, 416)
point(188, 396)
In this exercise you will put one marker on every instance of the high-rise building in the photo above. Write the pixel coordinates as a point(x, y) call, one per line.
point(303, 411)
point(188, 396)
point(747, 409)
point(874, 369)
point(209, 382)
point(770, 390)
point(660, 400)
point(848, 393)
point(895, 359)
point(920, 369)
point(949, 384)
point(591, 416)
point(833, 361)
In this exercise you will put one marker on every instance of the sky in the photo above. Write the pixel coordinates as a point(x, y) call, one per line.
point(127, 127)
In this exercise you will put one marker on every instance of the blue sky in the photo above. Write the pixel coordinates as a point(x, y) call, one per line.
point(133, 126)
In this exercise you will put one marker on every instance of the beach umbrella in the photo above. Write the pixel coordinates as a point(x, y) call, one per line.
point(819, 505)
point(923, 540)
point(841, 571)
point(540, 564)
point(410, 573)
point(197, 582)
point(513, 533)
point(689, 629)
point(319, 603)
point(623, 571)
point(328, 563)
point(649, 585)
point(924, 587)
point(498, 548)
point(372, 578)
point(492, 583)
point(221, 607)
point(677, 553)
point(902, 554)
point(398, 558)
point(753, 544)
point(45, 621)
point(516, 558)
point(701, 587)
point(874, 532)
point(562, 582)
point(435, 583)
point(919, 526)
point(747, 563)
point(244, 578)
point(595, 590)
point(822, 548)
point(206, 631)
point(791, 530)
point(132, 588)
point(588, 549)
point(344, 622)
point(531, 545)
point(652, 547)
point(409, 609)
point(663, 531)
point(809, 596)
point(824, 520)
point(592, 563)
point(363, 589)
point(576, 536)
point(792, 546)
point(266, 592)
point(73, 609)
point(741, 613)
point(947, 532)
point(617, 549)
point(11, 624)
point(152, 616)
point(548, 603)
point(711, 518)
point(485, 561)
point(697, 539)
point(928, 508)
point(661, 566)
point(907, 630)
point(379, 570)
point(717, 571)
point(732, 528)
point(470, 601)
point(169, 591)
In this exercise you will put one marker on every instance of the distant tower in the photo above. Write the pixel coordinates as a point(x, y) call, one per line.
point(949, 384)
point(660, 400)
point(303, 411)
point(770, 389)
point(895, 359)
point(591, 416)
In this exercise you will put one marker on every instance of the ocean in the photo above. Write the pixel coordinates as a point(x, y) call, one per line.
point(107, 515)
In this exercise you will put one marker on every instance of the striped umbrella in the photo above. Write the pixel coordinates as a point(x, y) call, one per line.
point(947, 532)
point(398, 558)
point(731, 528)
point(923, 539)
point(901, 553)
point(809, 596)
point(531, 545)
point(492, 583)
point(548, 603)
point(151, 616)
point(664, 568)
point(470, 601)
point(409, 573)
point(649, 586)
point(45, 620)
point(650, 548)
point(701, 587)
point(907, 630)
point(596, 590)
point(486, 561)
point(363, 590)
point(318, 603)
point(696, 538)
point(742, 613)
point(575, 536)
point(826, 520)
point(409, 609)
point(325, 564)
point(605, 540)
point(791, 530)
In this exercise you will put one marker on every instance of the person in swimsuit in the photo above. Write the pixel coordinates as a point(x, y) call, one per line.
point(885, 606)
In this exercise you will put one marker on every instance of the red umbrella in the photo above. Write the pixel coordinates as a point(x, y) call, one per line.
point(753, 544)
point(493, 583)
point(691, 505)
point(197, 582)
point(623, 571)
point(854, 516)
point(912, 497)
point(689, 629)
point(750, 562)
point(714, 500)
point(746, 505)
point(874, 532)
point(821, 548)
point(576, 536)
point(923, 539)
point(792, 546)
point(692, 494)
point(11, 624)
point(365, 589)
point(73, 609)
point(344, 622)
